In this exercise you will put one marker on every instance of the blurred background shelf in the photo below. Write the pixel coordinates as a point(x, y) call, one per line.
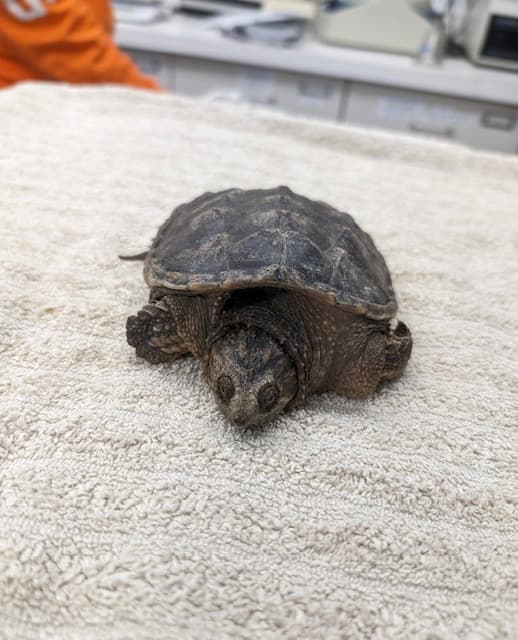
point(453, 99)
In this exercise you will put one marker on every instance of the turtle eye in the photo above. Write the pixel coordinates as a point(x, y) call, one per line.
point(225, 388)
point(268, 396)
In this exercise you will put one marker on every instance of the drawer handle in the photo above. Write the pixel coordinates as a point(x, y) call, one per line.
point(498, 120)
point(444, 132)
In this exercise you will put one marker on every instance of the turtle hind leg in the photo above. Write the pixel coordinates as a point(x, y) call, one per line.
point(397, 352)
point(153, 333)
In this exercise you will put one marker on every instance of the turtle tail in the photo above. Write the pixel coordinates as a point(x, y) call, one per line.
point(138, 256)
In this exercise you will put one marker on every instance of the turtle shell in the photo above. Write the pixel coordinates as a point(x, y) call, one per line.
point(270, 237)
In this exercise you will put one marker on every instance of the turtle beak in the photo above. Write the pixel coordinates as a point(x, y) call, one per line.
point(240, 420)
point(243, 418)
point(244, 413)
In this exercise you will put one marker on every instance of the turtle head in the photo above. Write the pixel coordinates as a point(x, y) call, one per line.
point(252, 377)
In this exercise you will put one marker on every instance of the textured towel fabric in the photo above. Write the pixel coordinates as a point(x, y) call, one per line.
point(129, 508)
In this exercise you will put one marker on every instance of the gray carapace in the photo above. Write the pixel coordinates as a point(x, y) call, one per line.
point(278, 295)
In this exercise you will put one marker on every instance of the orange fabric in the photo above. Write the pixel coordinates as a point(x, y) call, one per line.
point(63, 40)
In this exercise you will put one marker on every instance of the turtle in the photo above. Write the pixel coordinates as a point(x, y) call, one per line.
point(278, 295)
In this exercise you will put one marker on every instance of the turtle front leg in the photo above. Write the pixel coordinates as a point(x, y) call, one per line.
point(397, 351)
point(360, 372)
point(153, 333)
point(373, 357)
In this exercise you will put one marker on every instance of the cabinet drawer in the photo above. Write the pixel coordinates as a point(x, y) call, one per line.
point(478, 124)
point(291, 92)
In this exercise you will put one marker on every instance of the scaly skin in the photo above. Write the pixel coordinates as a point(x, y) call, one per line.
point(322, 347)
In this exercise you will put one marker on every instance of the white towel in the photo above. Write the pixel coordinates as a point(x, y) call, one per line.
point(129, 507)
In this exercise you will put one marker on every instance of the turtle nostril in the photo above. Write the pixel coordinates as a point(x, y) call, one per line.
point(240, 420)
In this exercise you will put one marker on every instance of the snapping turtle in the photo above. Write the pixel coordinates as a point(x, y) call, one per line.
point(280, 297)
